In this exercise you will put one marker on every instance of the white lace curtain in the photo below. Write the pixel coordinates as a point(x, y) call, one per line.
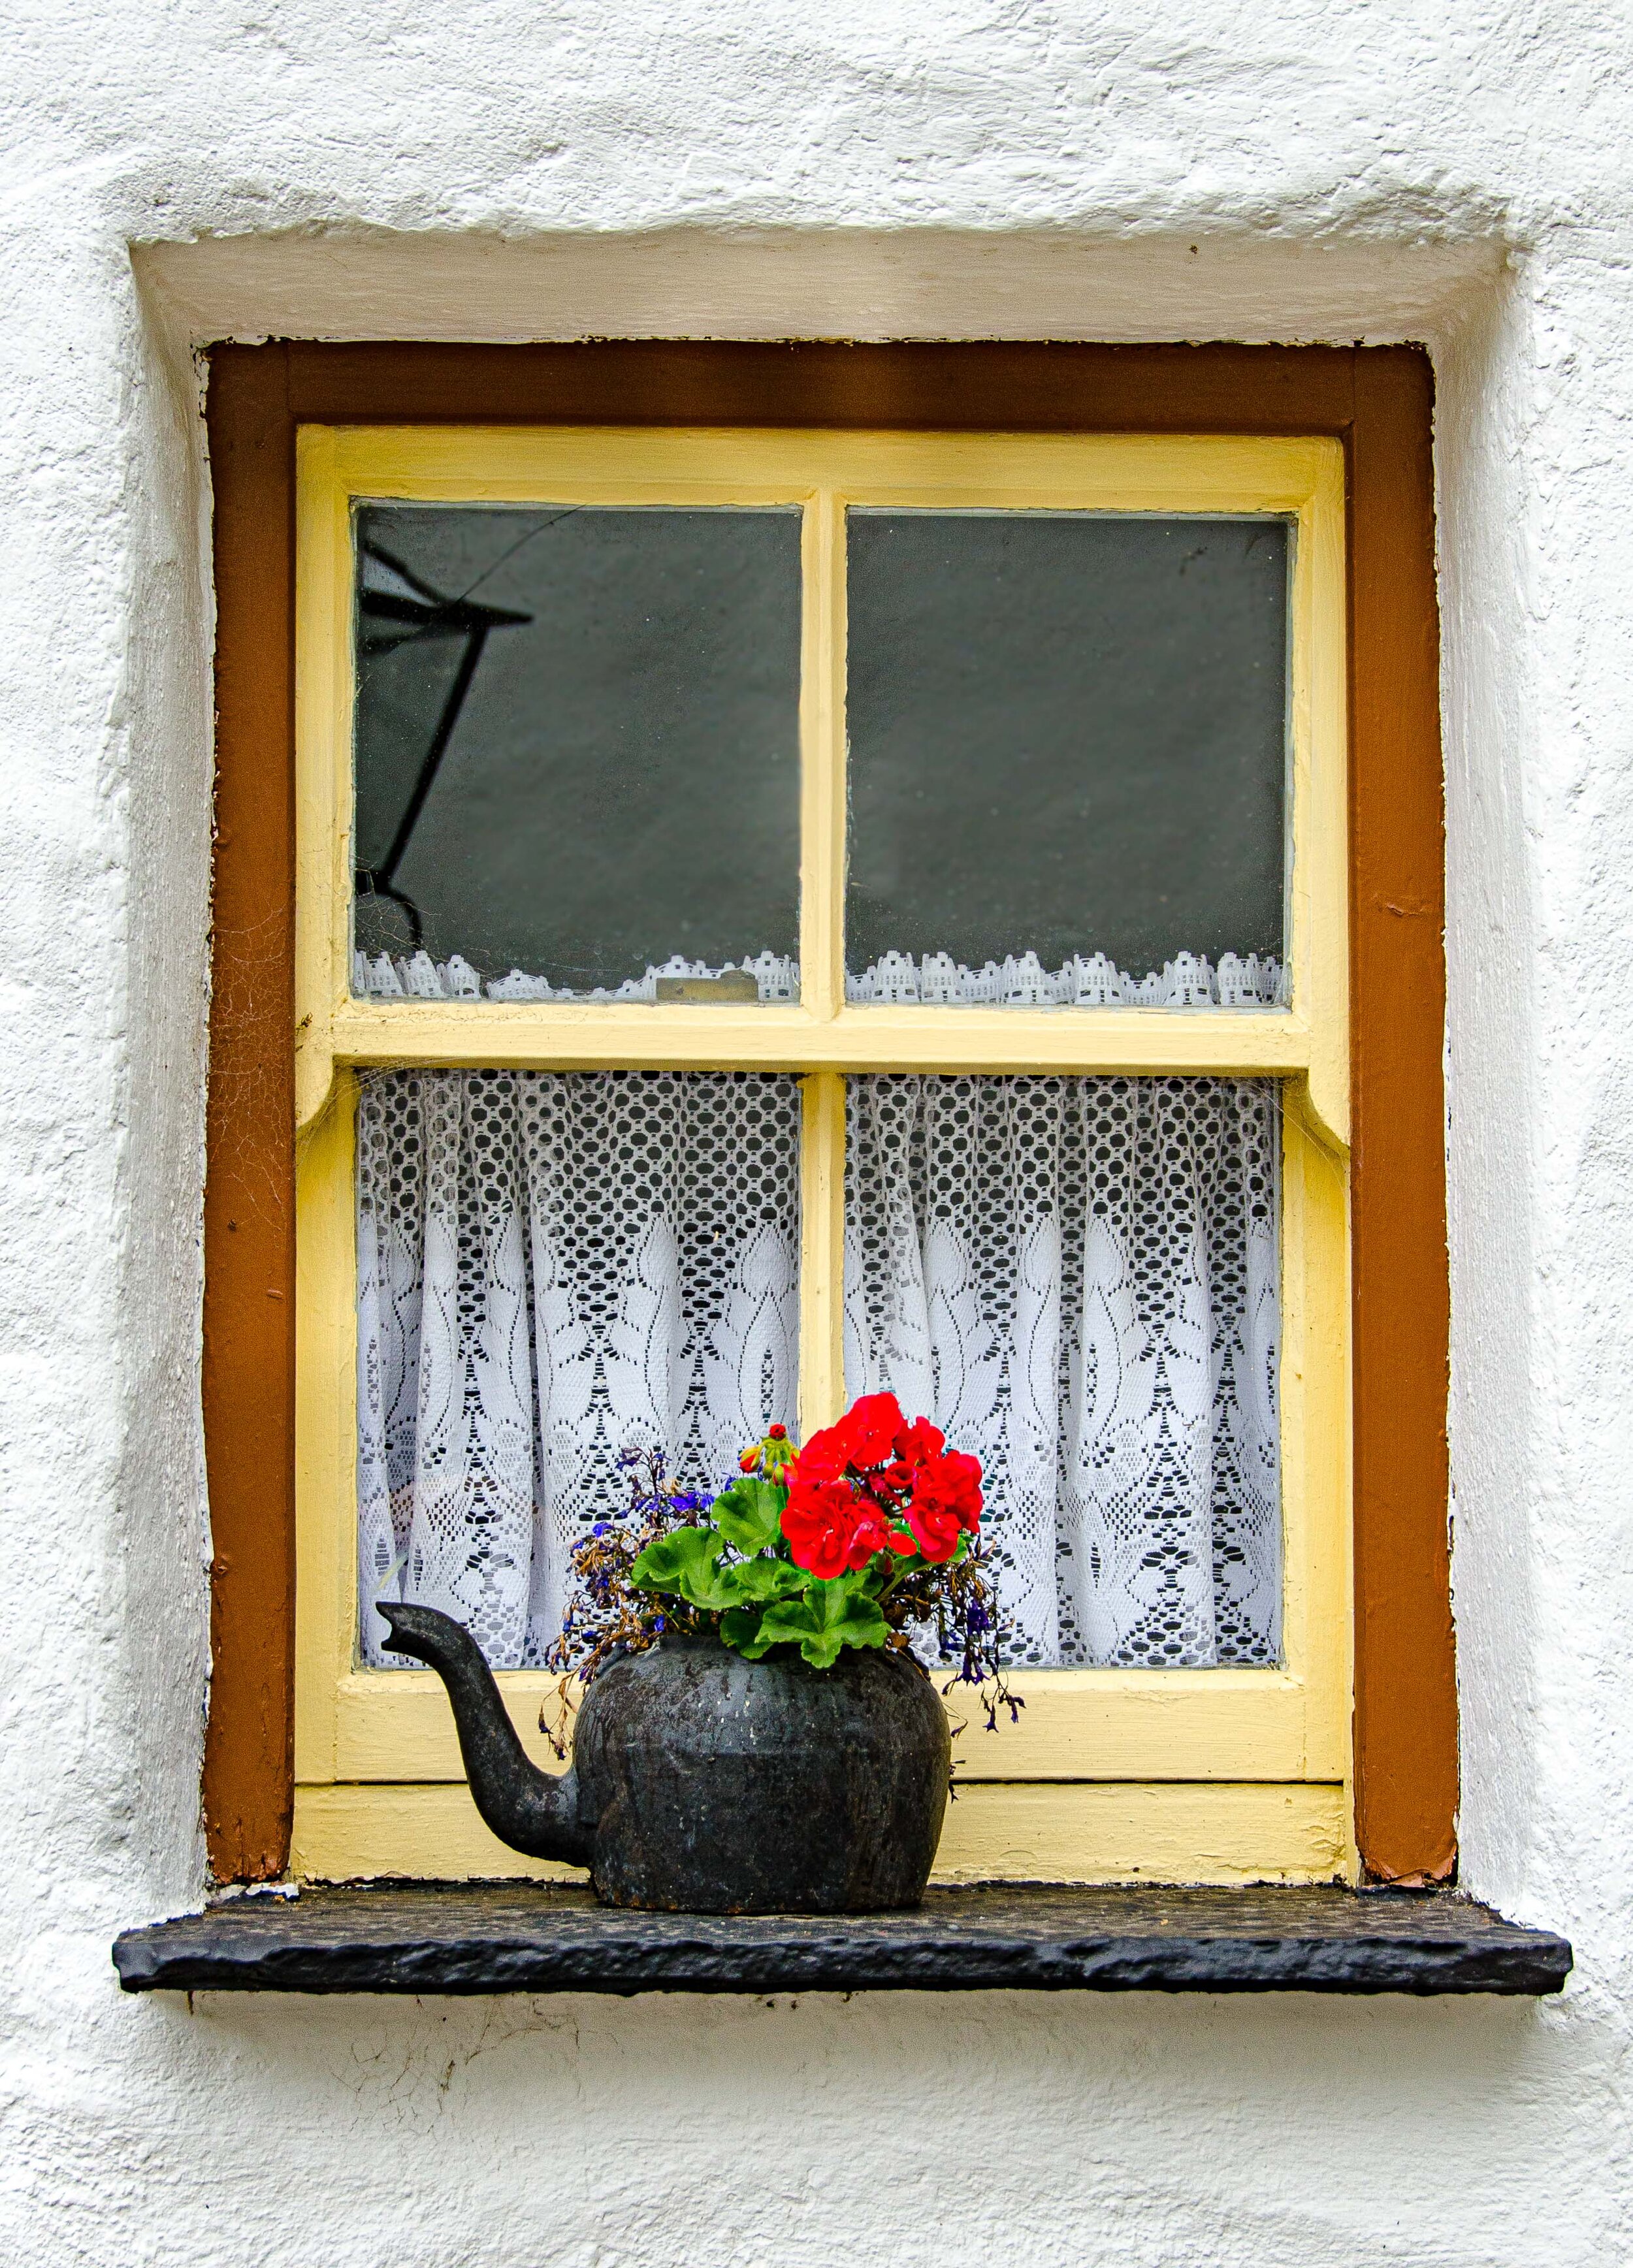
point(552, 1268)
point(1190, 980)
point(1076, 1278)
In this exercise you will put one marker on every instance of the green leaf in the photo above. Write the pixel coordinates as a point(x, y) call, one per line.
point(763, 1579)
point(686, 1563)
point(749, 1514)
point(882, 1573)
point(666, 1562)
point(827, 1617)
point(742, 1631)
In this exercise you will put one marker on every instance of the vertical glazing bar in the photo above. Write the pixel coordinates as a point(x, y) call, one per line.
point(822, 751)
point(822, 1250)
point(326, 1429)
point(822, 961)
point(323, 695)
point(1319, 939)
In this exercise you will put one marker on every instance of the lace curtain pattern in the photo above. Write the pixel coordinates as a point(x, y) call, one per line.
point(552, 1267)
point(1019, 980)
point(1077, 1279)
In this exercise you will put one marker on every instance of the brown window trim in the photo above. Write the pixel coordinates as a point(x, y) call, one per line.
point(1379, 402)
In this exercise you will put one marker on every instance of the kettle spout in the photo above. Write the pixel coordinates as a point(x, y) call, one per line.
point(529, 1809)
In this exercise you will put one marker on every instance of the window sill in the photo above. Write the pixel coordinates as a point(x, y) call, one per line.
point(490, 1937)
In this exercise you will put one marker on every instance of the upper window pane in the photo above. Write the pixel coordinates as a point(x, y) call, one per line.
point(577, 752)
point(1068, 757)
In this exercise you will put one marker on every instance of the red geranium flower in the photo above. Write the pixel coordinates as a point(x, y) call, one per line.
point(960, 1478)
point(830, 1526)
point(853, 1481)
point(919, 1443)
point(946, 1500)
point(874, 1533)
point(871, 1425)
point(821, 1458)
point(934, 1531)
point(864, 1439)
point(819, 1521)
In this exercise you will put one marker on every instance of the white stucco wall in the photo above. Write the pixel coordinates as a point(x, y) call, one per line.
point(1313, 169)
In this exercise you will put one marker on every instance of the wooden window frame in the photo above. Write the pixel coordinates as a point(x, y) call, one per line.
point(1376, 405)
point(1224, 1774)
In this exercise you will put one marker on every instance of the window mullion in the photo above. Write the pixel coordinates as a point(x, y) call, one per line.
point(822, 1250)
point(822, 754)
point(822, 961)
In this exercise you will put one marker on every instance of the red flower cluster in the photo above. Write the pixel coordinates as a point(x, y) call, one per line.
point(874, 1483)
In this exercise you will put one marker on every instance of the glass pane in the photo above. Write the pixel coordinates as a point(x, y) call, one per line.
point(577, 752)
point(1068, 758)
point(554, 1267)
point(1076, 1279)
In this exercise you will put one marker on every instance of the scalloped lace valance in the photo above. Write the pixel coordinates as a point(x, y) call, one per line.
point(1076, 1278)
point(1019, 980)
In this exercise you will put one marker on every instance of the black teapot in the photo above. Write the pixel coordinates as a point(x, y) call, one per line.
point(704, 1783)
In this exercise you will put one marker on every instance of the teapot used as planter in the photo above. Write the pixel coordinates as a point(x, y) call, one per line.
point(704, 1783)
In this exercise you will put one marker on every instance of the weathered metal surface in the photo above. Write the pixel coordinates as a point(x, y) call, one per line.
point(510, 1938)
point(702, 1783)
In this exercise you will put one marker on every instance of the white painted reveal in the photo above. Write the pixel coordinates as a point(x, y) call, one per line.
point(1460, 174)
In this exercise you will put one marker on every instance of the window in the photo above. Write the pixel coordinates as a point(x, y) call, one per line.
point(875, 900)
point(876, 880)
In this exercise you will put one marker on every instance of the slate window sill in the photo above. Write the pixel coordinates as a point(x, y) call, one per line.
point(509, 1938)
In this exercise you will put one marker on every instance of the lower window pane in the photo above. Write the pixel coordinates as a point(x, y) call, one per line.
point(552, 1267)
point(1077, 1279)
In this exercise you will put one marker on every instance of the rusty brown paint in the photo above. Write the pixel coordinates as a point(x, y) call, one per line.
point(1379, 402)
point(249, 1210)
point(978, 387)
point(1406, 1690)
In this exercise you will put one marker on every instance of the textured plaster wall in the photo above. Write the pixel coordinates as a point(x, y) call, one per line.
point(1336, 169)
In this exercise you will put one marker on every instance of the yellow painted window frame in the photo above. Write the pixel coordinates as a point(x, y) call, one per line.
point(1219, 1776)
